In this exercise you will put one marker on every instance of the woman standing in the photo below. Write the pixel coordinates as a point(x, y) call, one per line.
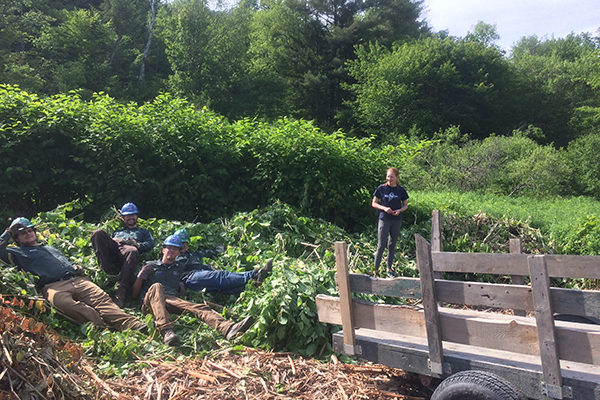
point(392, 200)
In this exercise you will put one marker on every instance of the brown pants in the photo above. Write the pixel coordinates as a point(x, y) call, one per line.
point(114, 257)
point(83, 301)
point(161, 306)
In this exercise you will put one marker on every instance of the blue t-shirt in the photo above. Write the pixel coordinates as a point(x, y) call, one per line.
point(392, 197)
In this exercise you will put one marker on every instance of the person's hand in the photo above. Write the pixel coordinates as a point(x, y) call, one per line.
point(396, 212)
point(79, 270)
point(146, 271)
point(181, 289)
point(389, 210)
point(131, 242)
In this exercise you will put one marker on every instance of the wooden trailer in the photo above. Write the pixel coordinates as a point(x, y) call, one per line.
point(476, 353)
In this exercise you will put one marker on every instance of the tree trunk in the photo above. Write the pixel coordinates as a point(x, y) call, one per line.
point(150, 34)
point(114, 51)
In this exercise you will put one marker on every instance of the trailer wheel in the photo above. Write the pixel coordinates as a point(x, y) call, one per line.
point(476, 385)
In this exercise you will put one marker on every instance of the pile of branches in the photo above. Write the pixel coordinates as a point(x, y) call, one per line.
point(255, 375)
point(35, 363)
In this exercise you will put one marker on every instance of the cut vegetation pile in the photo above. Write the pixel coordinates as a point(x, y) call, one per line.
point(37, 364)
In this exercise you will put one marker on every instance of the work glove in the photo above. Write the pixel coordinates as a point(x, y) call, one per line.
point(220, 249)
point(79, 270)
point(146, 271)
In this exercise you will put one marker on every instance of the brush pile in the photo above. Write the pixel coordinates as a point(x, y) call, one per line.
point(37, 364)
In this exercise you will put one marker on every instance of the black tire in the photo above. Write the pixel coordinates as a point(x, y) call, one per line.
point(476, 385)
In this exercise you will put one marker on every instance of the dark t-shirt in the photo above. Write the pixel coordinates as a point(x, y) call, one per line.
point(142, 236)
point(392, 197)
point(167, 275)
point(45, 262)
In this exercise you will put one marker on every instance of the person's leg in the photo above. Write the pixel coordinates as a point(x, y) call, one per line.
point(383, 229)
point(210, 317)
point(106, 251)
point(156, 304)
point(131, 258)
point(62, 295)
point(393, 239)
point(90, 294)
point(223, 281)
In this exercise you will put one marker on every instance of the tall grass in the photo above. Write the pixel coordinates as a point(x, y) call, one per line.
point(555, 216)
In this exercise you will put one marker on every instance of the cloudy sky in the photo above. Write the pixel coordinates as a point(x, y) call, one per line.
point(515, 18)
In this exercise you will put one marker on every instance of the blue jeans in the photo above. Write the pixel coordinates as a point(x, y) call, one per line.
point(388, 230)
point(222, 281)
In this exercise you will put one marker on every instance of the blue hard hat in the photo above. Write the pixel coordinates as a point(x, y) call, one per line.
point(184, 235)
point(173, 240)
point(24, 221)
point(129, 208)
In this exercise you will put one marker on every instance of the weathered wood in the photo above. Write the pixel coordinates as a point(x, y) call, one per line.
point(484, 294)
point(436, 236)
point(343, 281)
point(577, 342)
point(409, 288)
point(432, 321)
point(523, 371)
point(516, 247)
point(436, 230)
point(544, 317)
point(516, 264)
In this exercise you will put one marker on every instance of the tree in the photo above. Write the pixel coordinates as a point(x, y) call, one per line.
point(556, 78)
point(74, 53)
point(207, 51)
point(431, 84)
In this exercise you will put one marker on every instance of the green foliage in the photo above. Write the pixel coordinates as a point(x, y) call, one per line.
point(431, 84)
point(583, 159)
point(178, 162)
point(504, 165)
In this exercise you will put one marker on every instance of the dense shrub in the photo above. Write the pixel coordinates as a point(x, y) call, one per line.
point(177, 162)
point(503, 165)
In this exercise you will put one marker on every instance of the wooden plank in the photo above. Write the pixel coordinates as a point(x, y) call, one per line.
point(564, 301)
point(516, 264)
point(409, 288)
point(516, 247)
point(343, 281)
point(540, 283)
point(436, 236)
point(484, 294)
point(577, 342)
point(436, 230)
point(430, 306)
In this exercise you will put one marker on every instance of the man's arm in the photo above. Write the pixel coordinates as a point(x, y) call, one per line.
point(146, 242)
point(144, 273)
point(4, 239)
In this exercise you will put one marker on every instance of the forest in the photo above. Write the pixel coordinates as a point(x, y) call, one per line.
point(267, 125)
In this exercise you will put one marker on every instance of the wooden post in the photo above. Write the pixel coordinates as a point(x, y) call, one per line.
point(516, 247)
point(432, 320)
point(343, 281)
point(436, 236)
point(544, 318)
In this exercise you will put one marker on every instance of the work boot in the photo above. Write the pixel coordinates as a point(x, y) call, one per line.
point(263, 273)
point(240, 327)
point(170, 338)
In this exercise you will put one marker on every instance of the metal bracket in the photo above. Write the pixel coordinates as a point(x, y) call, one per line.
point(437, 368)
point(352, 350)
point(556, 392)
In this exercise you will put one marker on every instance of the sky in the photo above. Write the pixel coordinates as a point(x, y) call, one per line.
point(515, 18)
